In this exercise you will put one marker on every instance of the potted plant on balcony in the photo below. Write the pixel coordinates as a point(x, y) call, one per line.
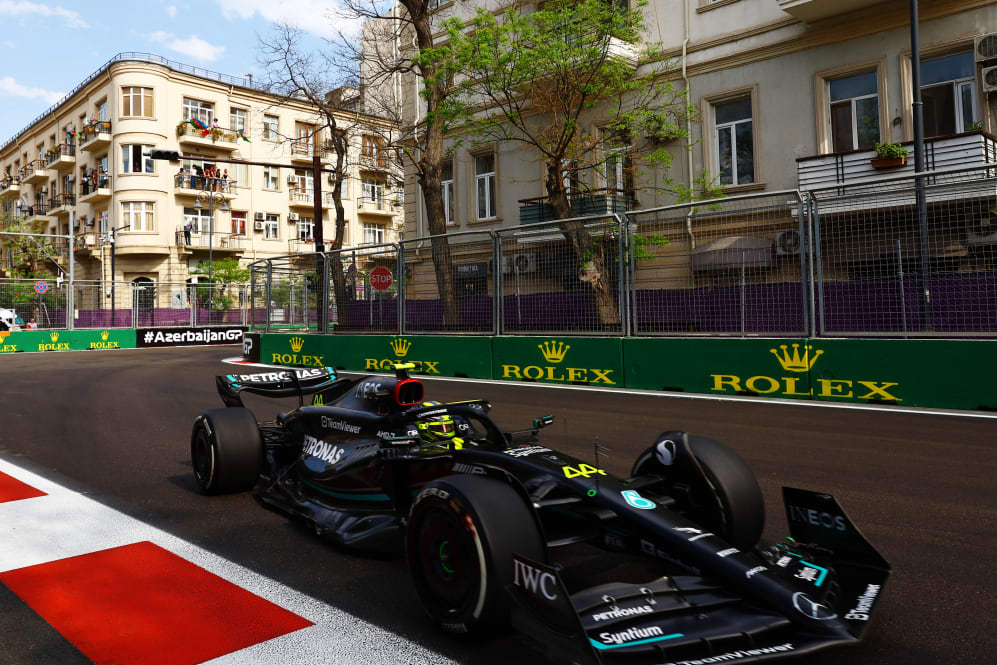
point(889, 155)
point(181, 128)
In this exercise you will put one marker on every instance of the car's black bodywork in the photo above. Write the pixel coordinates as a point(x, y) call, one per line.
point(504, 508)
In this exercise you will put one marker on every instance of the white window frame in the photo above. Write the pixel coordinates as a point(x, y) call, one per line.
point(486, 181)
point(102, 221)
point(271, 226)
point(306, 228)
point(271, 175)
point(240, 220)
point(305, 180)
point(101, 110)
point(822, 102)
point(373, 234)
point(448, 197)
point(140, 215)
point(732, 126)
point(200, 217)
point(128, 154)
point(137, 96)
point(238, 118)
point(195, 108)
point(373, 190)
point(271, 127)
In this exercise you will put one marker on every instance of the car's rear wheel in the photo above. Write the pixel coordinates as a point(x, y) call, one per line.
point(226, 450)
point(462, 533)
point(718, 490)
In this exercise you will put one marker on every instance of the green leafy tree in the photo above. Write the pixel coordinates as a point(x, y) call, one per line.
point(541, 78)
point(224, 273)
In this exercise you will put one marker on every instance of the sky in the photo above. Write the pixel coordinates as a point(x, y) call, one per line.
point(48, 47)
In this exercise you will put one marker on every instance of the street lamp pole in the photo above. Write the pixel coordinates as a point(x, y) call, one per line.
point(114, 236)
point(211, 197)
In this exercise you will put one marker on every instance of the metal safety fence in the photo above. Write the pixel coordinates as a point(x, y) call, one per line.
point(856, 259)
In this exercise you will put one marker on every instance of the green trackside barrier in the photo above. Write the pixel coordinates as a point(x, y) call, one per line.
point(66, 340)
point(593, 361)
point(767, 367)
point(438, 356)
point(937, 373)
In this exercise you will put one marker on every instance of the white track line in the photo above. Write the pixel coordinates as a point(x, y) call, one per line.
point(66, 523)
point(673, 395)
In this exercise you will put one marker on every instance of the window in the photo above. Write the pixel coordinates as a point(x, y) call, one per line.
point(271, 227)
point(304, 143)
point(373, 234)
point(305, 180)
point(735, 145)
point(271, 127)
point(446, 179)
point(139, 215)
point(238, 175)
point(854, 112)
point(101, 110)
point(373, 190)
point(618, 171)
point(238, 222)
point(306, 229)
point(41, 155)
point(134, 159)
point(484, 182)
point(136, 102)
point(195, 108)
point(948, 90)
point(199, 217)
point(372, 150)
point(237, 119)
point(271, 178)
point(102, 219)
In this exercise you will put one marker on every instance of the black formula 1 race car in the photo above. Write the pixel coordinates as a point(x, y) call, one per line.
point(493, 524)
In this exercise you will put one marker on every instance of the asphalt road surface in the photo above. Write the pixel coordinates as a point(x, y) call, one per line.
point(923, 489)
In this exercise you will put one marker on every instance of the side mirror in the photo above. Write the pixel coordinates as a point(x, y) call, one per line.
point(543, 421)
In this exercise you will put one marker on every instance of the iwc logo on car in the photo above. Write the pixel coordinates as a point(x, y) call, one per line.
point(399, 349)
point(303, 360)
point(799, 363)
point(553, 353)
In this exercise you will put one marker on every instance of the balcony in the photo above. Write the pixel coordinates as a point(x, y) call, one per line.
point(61, 204)
point(815, 10)
point(306, 199)
point(595, 202)
point(376, 206)
point(302, 150)
point(191, 185)
point(38, 211)
point(375, 162)
point(96, 135)
point(302, 246)
point(11, 188)
point(217, 242)
point(90, 241)
point(95, 190)
point(33, 173)
point(222, 138)
point(62, 157)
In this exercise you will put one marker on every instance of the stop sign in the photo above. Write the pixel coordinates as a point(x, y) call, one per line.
point(380, 278)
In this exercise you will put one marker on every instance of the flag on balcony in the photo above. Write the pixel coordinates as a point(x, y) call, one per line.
point(197, 124)
point(243, 136)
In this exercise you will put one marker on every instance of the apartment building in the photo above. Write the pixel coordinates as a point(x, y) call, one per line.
point(82, 168)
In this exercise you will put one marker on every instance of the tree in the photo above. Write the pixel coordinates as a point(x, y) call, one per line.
point(23, 256)
point(224, 272)
point(540, 78)
point(405, 46)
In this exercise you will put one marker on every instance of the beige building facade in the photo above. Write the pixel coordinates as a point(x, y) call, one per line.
point(82, 168)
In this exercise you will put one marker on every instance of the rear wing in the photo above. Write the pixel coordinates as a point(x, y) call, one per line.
point(278, 383)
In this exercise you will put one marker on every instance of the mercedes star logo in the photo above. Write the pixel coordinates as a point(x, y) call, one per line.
point(808, 607)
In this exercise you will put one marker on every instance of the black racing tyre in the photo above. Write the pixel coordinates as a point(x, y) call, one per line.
point(731, 505)
point(226, 450)
point(462, 533)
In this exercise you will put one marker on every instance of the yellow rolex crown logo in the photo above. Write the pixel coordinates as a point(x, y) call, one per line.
point(54, 336)
point(400, 346)
point(297, 343)
point(794, 362)
point(104, 335)
point(553, 351)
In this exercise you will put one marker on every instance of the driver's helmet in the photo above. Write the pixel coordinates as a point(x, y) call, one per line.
point(437, 428)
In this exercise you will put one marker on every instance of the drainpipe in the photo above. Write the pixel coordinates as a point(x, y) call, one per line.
point(688, 123)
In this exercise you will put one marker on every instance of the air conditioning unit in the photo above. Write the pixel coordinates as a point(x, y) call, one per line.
point(985, 47)
point(990, 79)
point(787, 243)
point(983, 231)
point(523, 263)
point(292, 179)
point(258, 216)
point(257, 226)
point(293, 217)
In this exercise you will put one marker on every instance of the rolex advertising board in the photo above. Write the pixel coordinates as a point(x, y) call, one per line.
point(65, 340)
point(592, 361)
point(434, 356)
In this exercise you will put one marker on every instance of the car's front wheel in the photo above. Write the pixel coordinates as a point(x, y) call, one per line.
point(462, 533)
point(226, 450)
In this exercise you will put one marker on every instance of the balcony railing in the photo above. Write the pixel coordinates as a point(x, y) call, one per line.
point(307, 197)
point(374, 204)
point(223, 135)
point(376, 161)
point(10, 184)
point(54, 156)
point(34, 210)
point(204, 184)
point(202, 239)
point(61, 200)
point(594, 202)
point(303, 148)
point(94, 129)
point(302, 245)
point(90, 185)
point(91, 240)
point(30, 169)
